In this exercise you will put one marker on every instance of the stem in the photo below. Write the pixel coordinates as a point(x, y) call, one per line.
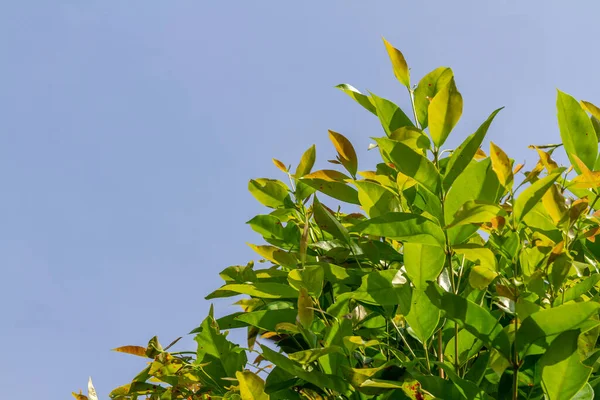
point(441, 352)
point(412, 102)
point(427, 357)
point(456, 362)
point(515, 395)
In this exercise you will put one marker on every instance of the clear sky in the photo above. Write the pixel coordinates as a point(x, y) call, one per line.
point(129, 130)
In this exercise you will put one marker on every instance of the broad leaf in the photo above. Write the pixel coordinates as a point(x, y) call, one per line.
point(404, 227)
point(501, 165)
point(346, 153)
point(411, 163)
point(463, 155)
point(423, 316)
point(444, 112)
point(563, 374)
point(270, 192)
point(426, 90)
point(360, 98)
point(264, 290)
point(376, 199)
point(476, 212)
point(390, 115)
point(399, 64)
point(423, 263)
point(576, 131)
point(252, 387)
point(534, 193)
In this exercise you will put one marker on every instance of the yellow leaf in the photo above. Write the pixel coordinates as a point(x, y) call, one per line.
point(79, 396)
point(306, 162)
point(252, 387)
point(592, 109)
point(275, 255)
point(554, 203)
point(480, 277)
point(404, 182)
point(306, 314)
point(480, 155)
point(398, 63)
point(328, 175)
point(588, 179)
point(546, 160)
point(135, 350)
point(347, 155)
point(445, 109)
point(501, 165)
point(280, 165)
point(518, 168)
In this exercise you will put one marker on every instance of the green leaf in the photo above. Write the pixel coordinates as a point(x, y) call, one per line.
point(576, 131)
point(264, 290)
point(586, 393)
point(477, 182)
point(563, 374)
point(533, 194)
point(399, 64)
point(275, 255)
point(376, 199)
point(390, 115)
point(423, 316)
point(480, 277)
point(306, 313)
point(423, 263)
point(360, 98)
point(444, 112)
point(307, 161)
point(316, 378)
point(329, 223)
point(411, 163)
point(501, 165)
point(553, 321)
point(311, 278)
point(377, 288)
point(405, 227)
point(332, 184)
point(222, 358)
point(476, 212)
point(426, 90)
point(269, 192)
point(309, 356)
point(463, 155)
point(577, 290)
point(267, 319)
point(474, 318)
point(413, 138)
point(268, 226)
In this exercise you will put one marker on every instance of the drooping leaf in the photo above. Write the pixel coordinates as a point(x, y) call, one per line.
point(426, 90)
point(329, 223)
point(404, 227)
point(463, 155)
point(252, 387)
point(411, 163)
point(308, 356)
point(280, 165)
point(444, 112)
point(390, 115)
point(275, 255)
point(268, 226)
point(563, 374)
point(575, 291)
point(576, 131)
point(360, 98)
point(423, 263)
point(534, 193)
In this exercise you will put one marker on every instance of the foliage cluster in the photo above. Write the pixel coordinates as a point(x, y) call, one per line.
point(452, 274)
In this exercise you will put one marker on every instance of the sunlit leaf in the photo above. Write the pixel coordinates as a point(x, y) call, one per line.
point(501, 165)
point(280, 165)
point(135, 350)
point(576, 131)
point(360, 98)
point(423, 263)
point(534, 193)
point(426, 90)
point(404, 227)
point(252, 387)
point(346, 153)
point(376, 199)
point(264, 290)
point(444, 112)
point(390, 115)
point(312, 355)
point(423, 316)
point(270, 192)
point(476, 212)
point(399, 64)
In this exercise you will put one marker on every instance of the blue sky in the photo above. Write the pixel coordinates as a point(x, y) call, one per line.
point(129, 130)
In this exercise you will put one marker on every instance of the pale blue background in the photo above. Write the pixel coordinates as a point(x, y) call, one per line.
point(129, 130)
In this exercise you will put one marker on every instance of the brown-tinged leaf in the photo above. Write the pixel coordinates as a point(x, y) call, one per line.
point(501, 165)
point(135, 350)
point(346, 153)
point(399, 64)
point(280, 165)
